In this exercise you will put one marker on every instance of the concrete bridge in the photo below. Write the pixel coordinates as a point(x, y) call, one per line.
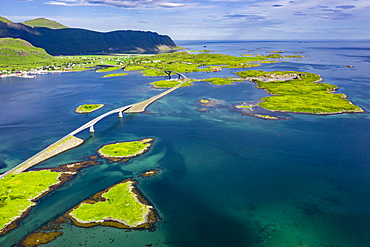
point(69, 141)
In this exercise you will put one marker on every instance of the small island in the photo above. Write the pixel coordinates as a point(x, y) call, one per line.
point(169, 84)
point(115, 75)
point(266, 117)
point(208, 102)
point(118, 206)
point(150, 173)
point(299, 92)
point(124, 150)
point(88, 108)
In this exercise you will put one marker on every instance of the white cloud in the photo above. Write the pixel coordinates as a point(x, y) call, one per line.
point(118, 3)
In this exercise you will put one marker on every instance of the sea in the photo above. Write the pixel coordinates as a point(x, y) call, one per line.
point(226, 178)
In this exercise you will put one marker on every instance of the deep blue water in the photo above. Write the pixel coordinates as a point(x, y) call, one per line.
point(226, 179)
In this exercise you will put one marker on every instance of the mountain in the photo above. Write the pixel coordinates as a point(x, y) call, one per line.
point(75, 41)
point(42, 22)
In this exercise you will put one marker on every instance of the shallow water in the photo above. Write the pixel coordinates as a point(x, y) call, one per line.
point(226, 178)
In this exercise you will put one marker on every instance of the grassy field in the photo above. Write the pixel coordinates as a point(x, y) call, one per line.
point(304, 95)
point(120, 204)
point(87, 108)
point(17, 191)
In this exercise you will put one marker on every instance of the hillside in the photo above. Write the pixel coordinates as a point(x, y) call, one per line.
point(42, 22)
point(74, 41)
point(3, 19)
point(17, 52)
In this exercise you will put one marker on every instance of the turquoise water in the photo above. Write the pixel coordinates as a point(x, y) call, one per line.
point(226, 179)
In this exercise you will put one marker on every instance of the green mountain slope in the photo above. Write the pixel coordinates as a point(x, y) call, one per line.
point(3, 19)
point(42, 22)
point(20, 53)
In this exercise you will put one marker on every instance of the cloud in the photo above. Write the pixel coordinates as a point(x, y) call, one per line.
point(277, 5)
point(118, 3)
point(245, 17)
point(346, 7)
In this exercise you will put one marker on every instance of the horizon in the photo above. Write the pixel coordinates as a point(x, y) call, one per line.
point(206, 20)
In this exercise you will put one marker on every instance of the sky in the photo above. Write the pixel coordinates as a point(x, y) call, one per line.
point(206, 19)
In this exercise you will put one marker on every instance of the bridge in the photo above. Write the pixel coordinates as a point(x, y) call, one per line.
point(70, 141)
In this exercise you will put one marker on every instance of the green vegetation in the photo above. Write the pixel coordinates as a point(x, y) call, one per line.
point(18, 190)
point(125, 149)
point(266, 117)
point(114, 75)
point(87, 108)
point(120, 204)
point(185, 62)
point(42, 22)
point(3, 19)
point(169, 83)
point(108, 69)
point(15, 52)
point(244, 106)
point(19, 55)
point(204, 101)
point(303, 94)
point(274, 56)
point(221, 81)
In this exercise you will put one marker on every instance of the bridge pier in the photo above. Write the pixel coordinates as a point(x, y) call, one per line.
point(92, 128)
point(120, 115)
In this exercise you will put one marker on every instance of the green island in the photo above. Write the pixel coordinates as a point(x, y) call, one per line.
point(126, 149)
point(299, 92)
point(266, 116)
point(18, 193)
point(244, 106)
point(87, 108)
point(119, 206)
point(169, 83)
point(114, 75)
